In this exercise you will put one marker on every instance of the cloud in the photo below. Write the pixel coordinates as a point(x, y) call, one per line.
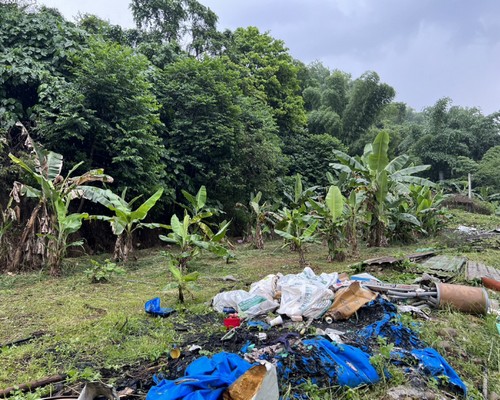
point(425, 49)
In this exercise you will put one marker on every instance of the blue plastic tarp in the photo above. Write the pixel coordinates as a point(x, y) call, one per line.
point(434, 364)
point(204, 379)
point(346, 365)
point(153, 307)
point(391, 328)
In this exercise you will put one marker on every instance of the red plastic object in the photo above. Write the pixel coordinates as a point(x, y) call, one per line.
point(232, 322)
point(491, 283)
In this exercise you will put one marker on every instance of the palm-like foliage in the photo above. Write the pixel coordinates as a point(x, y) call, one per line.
point(126, 219)
point(378, 178)
point(332, 216)
point(45, 236)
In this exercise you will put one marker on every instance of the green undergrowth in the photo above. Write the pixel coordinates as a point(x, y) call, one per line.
point(88, 328)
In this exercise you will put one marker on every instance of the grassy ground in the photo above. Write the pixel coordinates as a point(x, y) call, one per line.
point(98, 330)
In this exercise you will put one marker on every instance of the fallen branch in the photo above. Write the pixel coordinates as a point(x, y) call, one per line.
point(33, 385)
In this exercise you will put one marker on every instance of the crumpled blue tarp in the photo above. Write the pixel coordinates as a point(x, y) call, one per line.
point(346, 365)
point(391, 328)
point(204, 379)
point(153, 307)
point(434, 364)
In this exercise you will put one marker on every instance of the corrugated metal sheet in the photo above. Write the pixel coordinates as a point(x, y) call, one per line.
point(444, 266)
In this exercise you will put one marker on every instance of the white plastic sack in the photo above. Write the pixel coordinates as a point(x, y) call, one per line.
point(306, 293)
point(266, 287)
point(229, 299)
point(256, 305)
point(248, 305)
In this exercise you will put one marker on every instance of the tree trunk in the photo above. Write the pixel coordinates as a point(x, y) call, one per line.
point(123, 247)
point(377, 235)
point(302, 257)
point(28, 233)
point(259, 239)
point(352, 237)
point(181, 294)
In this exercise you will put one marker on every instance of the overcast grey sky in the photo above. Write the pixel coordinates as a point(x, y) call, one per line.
point(425, 49)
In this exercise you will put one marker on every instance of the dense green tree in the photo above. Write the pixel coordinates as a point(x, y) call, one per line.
point(177, 21)
point(312, 157)
point(106, 115)
point(366, 100)
point(214, 134)
point(450, 132)
point(268, 73)
point(33, 46)
point(488, 173)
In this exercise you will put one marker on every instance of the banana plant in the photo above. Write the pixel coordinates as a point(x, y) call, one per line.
point(331, 212)
point(353, 215)
point(126, 219)
point(260, 215)
point(299, 228)
point(300, 196)
point(45, 237)
point(376, 176)
point(191, 244)
point(182, 282)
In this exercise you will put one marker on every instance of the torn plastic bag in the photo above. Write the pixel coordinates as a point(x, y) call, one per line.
point(348, 300)
point(153, 307)
point(204, 379)
point(306, 294)
point(350, 365)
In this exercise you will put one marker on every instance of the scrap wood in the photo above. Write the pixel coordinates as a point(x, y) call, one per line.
point(419, 256)
point(476, 271)
point(381, 260)
point(33, 385)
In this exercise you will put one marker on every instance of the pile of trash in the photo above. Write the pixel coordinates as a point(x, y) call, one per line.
point(288, 330)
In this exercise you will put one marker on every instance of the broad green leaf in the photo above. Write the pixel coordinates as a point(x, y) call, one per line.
point(257, 198)
point(144, 208)
point(341, 168)
point(221, 233)
point(189, 197)
point(410, 218)
point(201, 198)
point(176, 225)
point(284, 234)
point(378, 159)
point(397, 163)
point(298, 188)
point(176, 272)
point(310, 229)
point(52, 165)
point(191, 277)
point(335, 202)
point(349, 161)
point(167, 239)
